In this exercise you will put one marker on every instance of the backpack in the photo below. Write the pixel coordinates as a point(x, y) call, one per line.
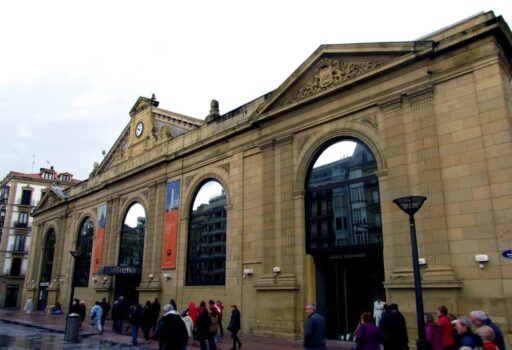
point(214, 324)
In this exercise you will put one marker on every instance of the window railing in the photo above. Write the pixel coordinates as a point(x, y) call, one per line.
point(19, 248)
point(20, 224)
point(30, 203)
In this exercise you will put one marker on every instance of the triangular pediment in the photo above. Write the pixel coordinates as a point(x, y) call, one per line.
point(166, 125)
point(53, 196)
point(142, 104)
point(333, 66)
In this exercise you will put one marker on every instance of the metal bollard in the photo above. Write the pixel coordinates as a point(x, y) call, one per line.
point(72, 328)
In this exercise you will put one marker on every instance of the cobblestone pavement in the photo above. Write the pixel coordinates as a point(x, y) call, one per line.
point(40, 330)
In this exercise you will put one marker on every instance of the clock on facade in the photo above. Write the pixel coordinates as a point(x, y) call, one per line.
point(138, 129)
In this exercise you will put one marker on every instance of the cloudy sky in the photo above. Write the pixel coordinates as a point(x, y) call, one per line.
point(70, 71)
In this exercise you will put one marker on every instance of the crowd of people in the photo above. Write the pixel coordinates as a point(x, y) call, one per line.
point(446, 333)
point(173, 330)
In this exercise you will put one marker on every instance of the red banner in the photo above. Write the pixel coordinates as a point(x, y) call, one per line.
point(170, 238)
point(98, 250)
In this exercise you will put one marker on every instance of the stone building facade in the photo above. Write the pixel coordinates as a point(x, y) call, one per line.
point(430, 117)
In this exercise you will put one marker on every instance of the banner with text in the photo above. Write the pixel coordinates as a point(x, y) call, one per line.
point(100, 236)
point(171, 225)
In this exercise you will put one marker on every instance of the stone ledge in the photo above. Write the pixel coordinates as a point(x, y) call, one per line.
point(431, 278)
point(280, 282)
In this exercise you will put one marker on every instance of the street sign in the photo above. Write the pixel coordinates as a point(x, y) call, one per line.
point(119, 270)
point(507, 254)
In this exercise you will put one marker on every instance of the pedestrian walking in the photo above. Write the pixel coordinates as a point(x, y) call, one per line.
point(171, 332)
point(82, 310)
point(314, 329)
point(192, 312)
point(466, 337)
point(173, 303)
point(28, 306)
point(220, 309)
point(480, 318)
point(214, 326)
point(368, 335)
point(116, 316)
point(434, 332)
point(203, 325)
point(394, 329)
point(75, 307)
point(96, 314)
point(155, 310)
point(124, 312)
point(446, 325)
point(135, 321)
point(234, 326)
point(147, 320)
point(105, 305)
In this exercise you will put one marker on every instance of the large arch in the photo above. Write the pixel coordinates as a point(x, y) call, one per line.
point(315, 146)
point(45, 277)
point(206, 241)
point(343, 229)
point(131, 252)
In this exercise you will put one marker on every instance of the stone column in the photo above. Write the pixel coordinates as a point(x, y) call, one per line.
point(395, 235)
point(269, 228)
point(286, 251)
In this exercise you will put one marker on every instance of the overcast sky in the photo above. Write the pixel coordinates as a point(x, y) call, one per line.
point(70, 71)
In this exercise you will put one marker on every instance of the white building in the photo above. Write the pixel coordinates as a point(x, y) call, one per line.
point(19, 194)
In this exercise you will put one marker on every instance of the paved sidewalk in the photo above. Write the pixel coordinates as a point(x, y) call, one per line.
point(54, 323)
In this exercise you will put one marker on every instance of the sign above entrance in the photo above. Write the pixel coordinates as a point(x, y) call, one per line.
point(119, 270)
point(507, 254)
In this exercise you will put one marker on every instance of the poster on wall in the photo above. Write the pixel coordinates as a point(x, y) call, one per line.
point(171, 225)
point(100, 236)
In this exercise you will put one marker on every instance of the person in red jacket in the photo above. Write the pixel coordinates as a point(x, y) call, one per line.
point(444, 322)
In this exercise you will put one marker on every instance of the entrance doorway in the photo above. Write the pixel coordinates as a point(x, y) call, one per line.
point(344, 233)
point(11, 297)
point(131, 252)
point(126, 286)
point(42, 300)
point(347, 285)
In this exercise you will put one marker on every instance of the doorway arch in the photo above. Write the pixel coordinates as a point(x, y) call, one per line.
point(46, 270)
point(131, 253)
point(344, 232)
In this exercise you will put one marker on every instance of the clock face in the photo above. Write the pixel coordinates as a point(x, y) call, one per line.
point(138, 129)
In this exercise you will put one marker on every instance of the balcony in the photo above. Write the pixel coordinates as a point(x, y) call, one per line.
point(19, 224)
point(29, 203)
point(20, 249)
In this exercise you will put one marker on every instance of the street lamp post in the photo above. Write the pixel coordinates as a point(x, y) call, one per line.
point(410, 205)
point(75, 254)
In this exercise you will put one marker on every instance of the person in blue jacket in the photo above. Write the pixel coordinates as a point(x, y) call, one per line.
point(314, 329)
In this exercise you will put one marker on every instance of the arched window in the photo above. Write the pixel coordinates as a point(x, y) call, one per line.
point(84, 249)
point(342, 200)
point(132, 237)
point(206, 260)
point(48, 253)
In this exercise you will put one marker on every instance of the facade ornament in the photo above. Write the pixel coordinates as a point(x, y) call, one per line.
point(330, 72)
point(214, 111)
point(371, 121)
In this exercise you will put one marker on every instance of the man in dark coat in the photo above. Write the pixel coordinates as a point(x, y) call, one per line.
point(105, 305)
point(155, 310)
point(395, 330)
point(314, 330)
point(171, 332)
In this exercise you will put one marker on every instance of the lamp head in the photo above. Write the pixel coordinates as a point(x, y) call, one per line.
point(410, 204)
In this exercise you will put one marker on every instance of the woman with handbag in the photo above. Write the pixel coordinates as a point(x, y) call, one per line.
point(368, 336)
